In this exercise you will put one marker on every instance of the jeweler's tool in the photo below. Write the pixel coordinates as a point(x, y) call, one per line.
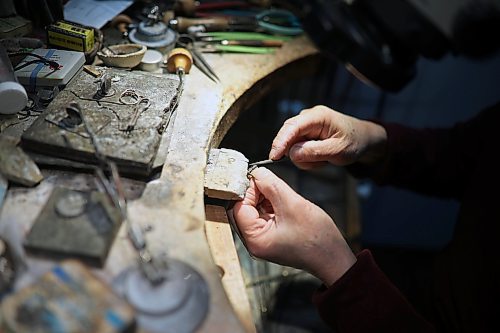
point(266, 162)
point(264, 43)
point(142, 105)
point(237, 35)
point(187, 41)
point(153, 32)
point(274, 21)
point(179, 61)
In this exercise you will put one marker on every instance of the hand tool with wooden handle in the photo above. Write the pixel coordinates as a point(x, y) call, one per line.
point(182, 24)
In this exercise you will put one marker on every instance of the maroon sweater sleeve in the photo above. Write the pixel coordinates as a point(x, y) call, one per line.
point(364, 300)
point(432, 161)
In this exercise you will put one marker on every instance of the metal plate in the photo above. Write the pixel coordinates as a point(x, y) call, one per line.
point(133, 152)
point(83, 227)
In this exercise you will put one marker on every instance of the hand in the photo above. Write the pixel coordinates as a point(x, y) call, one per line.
point(320, 135)
point(281, 226)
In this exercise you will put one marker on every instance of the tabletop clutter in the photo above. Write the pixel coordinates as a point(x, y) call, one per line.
point(98, 99)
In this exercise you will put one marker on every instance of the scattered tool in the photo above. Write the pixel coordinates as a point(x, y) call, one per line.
point(238, 41)
point(188, 42)
point(274, 21)
point(105, 89)
point(220, 48)
point(153, 32)
point(254, 165)
point(264, 43)
point(142, 105)
point(179, 61)
point(211, 36)
point(121, 23)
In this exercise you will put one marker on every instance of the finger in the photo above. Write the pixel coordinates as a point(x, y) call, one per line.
point(247, 212)
point(266, 207)
point(273, 188)
point(252, 195)
point(314, 150)
point(247, 218)
point(309, 166)
point(308, 123)
point(310, 154)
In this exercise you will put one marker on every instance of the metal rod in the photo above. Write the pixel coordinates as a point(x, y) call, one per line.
point(266, 162)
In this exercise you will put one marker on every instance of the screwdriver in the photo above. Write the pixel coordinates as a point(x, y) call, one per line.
point(179, 62)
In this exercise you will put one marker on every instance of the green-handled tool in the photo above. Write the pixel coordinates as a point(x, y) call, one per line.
point(238, 35)
point(219, 48)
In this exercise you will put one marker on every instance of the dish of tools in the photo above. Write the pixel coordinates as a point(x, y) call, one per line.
point(122, 55)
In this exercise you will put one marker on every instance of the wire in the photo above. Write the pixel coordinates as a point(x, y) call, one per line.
point(54, 65)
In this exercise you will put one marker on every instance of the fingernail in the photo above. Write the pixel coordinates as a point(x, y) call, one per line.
point(294, 152)
point(272, 153)
point(260, 170)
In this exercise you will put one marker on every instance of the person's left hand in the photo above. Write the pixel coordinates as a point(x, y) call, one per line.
point(279, 225)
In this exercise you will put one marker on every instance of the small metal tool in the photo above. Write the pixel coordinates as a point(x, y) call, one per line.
point(255, 165)
point(273, 21)
point(266, 162)
point(104, 89)
point(179, 61)
point(142, 105)
point(187, 41)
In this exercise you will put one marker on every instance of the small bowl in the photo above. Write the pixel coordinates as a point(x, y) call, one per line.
point(122, 55)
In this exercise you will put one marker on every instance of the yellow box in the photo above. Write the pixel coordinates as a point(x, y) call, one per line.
point(70, 35)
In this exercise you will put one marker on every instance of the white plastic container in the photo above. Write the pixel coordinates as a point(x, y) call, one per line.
point(13, 97)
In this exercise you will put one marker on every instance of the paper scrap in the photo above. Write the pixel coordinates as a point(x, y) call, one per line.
point(94, 13)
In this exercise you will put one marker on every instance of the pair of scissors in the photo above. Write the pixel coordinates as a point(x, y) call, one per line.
point(279, 21)
point(188, 42)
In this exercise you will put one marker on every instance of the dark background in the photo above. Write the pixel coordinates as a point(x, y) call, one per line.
point(401, 228)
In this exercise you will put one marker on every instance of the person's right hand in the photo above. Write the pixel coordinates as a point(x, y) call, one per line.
point(320, 135)
point(279, 225)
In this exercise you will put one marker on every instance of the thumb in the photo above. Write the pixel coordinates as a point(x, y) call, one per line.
point(272, 187)
point(315, 151)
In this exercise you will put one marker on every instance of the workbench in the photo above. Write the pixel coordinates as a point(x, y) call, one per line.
point(172, 206)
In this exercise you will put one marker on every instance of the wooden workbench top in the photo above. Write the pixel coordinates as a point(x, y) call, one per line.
point(172, 206)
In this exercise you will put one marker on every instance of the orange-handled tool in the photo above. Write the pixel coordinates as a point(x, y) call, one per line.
point(179, 61)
